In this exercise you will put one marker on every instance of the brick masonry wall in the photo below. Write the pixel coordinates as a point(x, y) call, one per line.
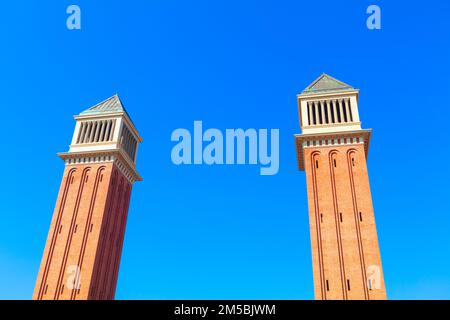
point(86, 234)
point(345, 251)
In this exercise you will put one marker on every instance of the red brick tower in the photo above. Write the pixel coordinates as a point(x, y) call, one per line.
point(332, 150)
point(82, 254)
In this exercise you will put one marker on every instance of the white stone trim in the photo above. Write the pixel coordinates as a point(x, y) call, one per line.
point(102, 159)
point(124, 170)
point(314, 143)
point(354, 107)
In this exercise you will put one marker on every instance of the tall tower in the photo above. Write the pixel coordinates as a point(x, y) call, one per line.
point(332, 150)
point(84, 245)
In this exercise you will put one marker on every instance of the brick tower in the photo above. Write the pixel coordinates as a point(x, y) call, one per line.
point(82, 254)
point(332, 150)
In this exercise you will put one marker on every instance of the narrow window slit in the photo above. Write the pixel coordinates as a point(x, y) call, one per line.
point(344, 109)
point(314, 113)
point(333, 120)
point(308, 106)
point(320, 113)
point(339, 112)
point(350, 111)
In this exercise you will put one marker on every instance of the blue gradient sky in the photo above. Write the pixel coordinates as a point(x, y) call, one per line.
point(225, 231)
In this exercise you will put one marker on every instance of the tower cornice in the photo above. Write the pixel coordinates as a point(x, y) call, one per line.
point(97, 156)
point(327, 94)
point(330, 140)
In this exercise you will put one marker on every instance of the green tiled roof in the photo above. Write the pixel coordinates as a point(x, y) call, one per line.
point(326, 83)
point(110, 105)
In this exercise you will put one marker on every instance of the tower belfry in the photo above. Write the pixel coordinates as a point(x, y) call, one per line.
point(84, 245)
point(332, 150)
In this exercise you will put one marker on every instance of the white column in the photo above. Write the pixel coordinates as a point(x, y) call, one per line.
point(77, 132)
point(354, 107)
point(340, 110)
point(310, 113)
point(335, 111)
point(88, 132)
point(322, 108)
point(91, 135)
point(127, 141)
point(304, 113)
point(316, 110)
point(108, 130)
point(97, 131)
point(328, 107)
point(102, 132)
point(347, 109)
point(117, 123)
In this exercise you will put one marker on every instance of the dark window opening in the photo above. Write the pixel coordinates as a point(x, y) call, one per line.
point(321, 217)
point(76, 227)
point(317, 164)
point(314, 113)
point(338, 105)
point(344, 109)
point(334, 161)
point(340, 215)
point(308, 108)
point(333, 120)
point(320, 112)
point(348, 285)
point(328, 287)
point(326, 112)
point(360, 216)
point(353, 161)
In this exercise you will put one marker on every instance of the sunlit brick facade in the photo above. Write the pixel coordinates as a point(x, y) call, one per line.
point(84, 245)
point(332, 150)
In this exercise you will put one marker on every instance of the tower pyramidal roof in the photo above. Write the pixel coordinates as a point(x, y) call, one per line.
point(110, 105)
point(326, 83)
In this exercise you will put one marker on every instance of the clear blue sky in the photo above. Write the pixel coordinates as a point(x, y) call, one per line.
point(225, 231)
